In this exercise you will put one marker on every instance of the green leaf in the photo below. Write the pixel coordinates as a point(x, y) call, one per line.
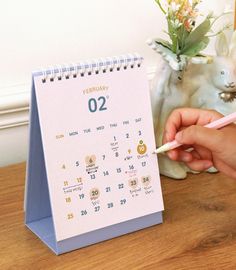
point(196, 48)
point(171, 34)
point(182, 35)
point(164, 43)
point(197, 35)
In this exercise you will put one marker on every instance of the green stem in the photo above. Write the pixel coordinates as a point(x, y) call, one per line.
point(160, 6)
point(174, 45)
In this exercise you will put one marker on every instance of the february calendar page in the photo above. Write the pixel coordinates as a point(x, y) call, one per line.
point(98, 140)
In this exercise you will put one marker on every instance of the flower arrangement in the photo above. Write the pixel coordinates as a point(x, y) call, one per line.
point(186, 38)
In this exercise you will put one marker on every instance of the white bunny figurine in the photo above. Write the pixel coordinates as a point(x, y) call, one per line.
point(215, 84)
point(168, 93)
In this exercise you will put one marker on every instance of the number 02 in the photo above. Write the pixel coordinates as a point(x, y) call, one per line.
point(98, 104)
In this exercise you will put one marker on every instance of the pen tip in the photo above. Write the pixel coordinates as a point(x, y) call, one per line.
point(161, 149)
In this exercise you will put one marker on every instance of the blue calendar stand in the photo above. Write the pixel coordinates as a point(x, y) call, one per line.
point(39, 217)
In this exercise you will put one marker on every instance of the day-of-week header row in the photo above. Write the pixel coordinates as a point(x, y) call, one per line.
point(99, 128)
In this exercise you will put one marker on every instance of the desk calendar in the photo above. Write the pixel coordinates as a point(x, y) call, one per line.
point(91, 173)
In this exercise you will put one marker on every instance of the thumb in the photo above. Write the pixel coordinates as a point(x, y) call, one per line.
point(211, 139)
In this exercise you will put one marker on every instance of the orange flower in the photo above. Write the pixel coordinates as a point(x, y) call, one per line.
point(188, 25)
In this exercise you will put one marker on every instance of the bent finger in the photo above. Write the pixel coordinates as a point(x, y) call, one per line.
point(199, 165)
point(184, 117)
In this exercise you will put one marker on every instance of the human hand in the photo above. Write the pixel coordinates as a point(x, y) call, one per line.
point(211, 147)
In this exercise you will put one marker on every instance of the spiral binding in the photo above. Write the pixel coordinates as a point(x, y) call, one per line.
point(97, 66)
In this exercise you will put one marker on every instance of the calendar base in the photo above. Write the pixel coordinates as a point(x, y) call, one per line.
point(44, 230)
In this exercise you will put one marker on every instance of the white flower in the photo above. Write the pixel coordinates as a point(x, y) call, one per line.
point(185, 13)
point(176, 23)
point(174, 7)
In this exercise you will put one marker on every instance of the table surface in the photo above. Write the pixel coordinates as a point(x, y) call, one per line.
point(199, 231)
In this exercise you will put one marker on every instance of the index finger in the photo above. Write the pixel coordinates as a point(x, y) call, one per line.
point(184, 117)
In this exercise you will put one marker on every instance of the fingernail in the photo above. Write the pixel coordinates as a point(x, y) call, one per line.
point(179, 136)
point(208, 164)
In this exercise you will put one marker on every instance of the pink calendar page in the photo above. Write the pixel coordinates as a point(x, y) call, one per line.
point(98, 140)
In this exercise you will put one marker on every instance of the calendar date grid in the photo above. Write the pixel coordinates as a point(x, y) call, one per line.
point(90, 188)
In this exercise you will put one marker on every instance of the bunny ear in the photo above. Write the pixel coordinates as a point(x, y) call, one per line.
point(232, 48)
point(221, 45)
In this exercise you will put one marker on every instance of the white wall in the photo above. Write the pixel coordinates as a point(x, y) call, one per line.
point(36, 34)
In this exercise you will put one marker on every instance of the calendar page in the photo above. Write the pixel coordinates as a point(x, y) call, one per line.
point(98, 140)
